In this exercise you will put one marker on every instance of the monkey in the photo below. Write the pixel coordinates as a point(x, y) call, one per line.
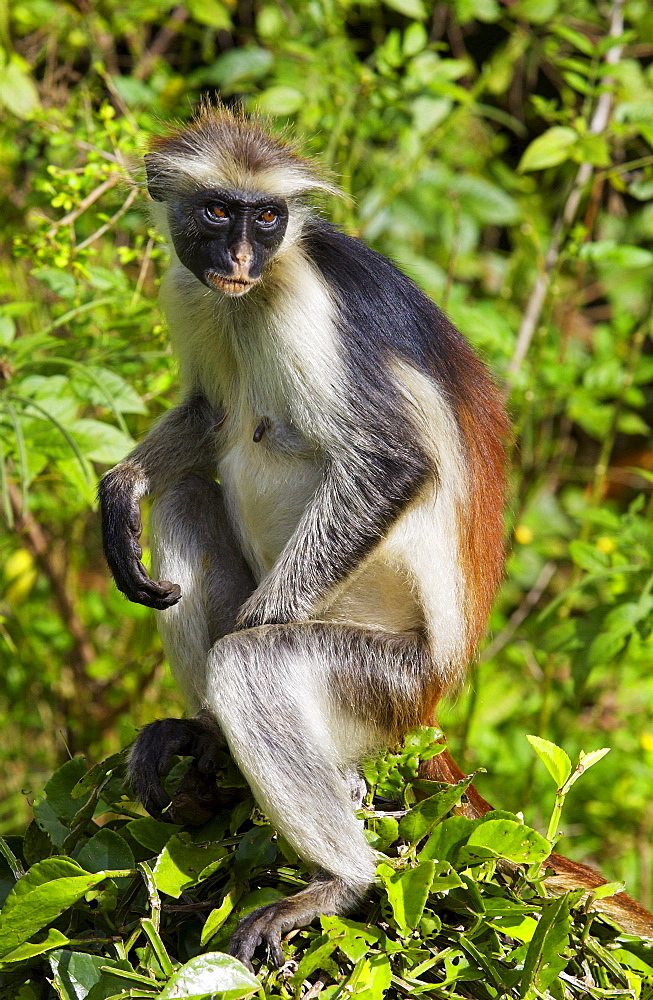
point(328, 494)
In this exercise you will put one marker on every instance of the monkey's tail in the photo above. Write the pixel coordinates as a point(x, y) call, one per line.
point(625, 911)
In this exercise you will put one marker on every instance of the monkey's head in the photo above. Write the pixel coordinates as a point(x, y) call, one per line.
point(230, 195)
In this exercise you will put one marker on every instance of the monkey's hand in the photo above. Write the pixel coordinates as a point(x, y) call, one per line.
point(121, 529)
point(198, 797)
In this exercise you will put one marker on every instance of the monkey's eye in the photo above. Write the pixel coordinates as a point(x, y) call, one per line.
point(268, 216)
point(218, 211)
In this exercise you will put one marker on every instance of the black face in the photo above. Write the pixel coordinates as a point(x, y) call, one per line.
point(225, 240)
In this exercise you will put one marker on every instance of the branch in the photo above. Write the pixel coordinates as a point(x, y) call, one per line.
point(38, 544)
point(598, 124)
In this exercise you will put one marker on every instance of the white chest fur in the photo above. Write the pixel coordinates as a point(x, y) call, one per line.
point(271, 362)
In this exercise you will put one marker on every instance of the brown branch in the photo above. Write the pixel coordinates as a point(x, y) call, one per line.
point(598, 124)
point(85, 203)
point(161, 42)
point(129, 200)
point(39, 545)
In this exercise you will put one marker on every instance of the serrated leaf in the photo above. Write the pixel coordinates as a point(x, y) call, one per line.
point(549, 149)
point(212, 973)
point(553, 757)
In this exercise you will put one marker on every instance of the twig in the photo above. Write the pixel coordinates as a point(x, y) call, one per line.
point(129, 200)
point(597, 125)
point(161, 42)
point(520, 613)
point(83, 651)
point(145, 263)
point(86, 202)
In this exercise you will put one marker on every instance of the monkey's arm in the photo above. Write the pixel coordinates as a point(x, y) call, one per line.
point(183, 441)
point(361, 495)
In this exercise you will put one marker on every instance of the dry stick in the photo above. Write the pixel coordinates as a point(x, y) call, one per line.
point(161, 42)
point(39, 546)
point(86, 202)
point(597, 125)
point(110, 222)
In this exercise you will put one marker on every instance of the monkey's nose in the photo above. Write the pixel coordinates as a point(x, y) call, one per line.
point(241, 254)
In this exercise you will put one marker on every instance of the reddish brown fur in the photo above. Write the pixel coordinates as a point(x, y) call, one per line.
point(485, 428)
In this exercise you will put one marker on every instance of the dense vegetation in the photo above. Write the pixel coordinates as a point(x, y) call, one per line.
point(502, 153)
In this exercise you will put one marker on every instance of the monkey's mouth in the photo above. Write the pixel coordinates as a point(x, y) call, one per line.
point(229, 285)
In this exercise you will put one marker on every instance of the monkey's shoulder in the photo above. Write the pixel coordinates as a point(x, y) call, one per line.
point(382, 312)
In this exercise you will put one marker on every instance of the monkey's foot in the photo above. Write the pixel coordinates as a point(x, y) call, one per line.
point(197, 798)
point(326, 895)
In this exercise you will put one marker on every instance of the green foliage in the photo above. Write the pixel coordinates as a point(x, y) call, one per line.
point(116, 919)
point(503, 155)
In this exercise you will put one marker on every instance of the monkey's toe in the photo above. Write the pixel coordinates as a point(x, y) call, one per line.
point(263, 926)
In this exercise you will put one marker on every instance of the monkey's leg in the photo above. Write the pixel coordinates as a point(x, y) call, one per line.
point(299, 704)
point(193, 541)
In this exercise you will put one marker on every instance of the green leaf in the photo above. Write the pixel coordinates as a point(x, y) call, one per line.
point(78, 975)
point(421, 819)
point(101, 442)
point(549, 149)
point(502, 838)
point(409, 8)
point(18, 92)
point(408, 892)
point(238, 65)
point(151, 833)
point(535, 11)
point(608, 889)
point(104, 851)
point(213, 13)
point(58, 790)
point(54, 939)
point(212, 973)
point(447, 839)
point(553, 757)
point(40, 896)
point(59, 282)
point(255, 850)
point(181, 863)
point(280, 101)
point(544, 959)
point(618, 254)
point(216, 919)
point(587, 760)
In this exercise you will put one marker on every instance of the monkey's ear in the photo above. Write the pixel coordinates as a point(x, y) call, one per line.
point(155, 177)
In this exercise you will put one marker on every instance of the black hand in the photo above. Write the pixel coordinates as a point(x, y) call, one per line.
point(121, 529)
point(153, 749)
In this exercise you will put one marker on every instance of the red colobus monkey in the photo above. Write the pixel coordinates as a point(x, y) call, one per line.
point(336, 582)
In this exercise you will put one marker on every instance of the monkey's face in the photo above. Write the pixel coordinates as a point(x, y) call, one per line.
point(226, 240)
